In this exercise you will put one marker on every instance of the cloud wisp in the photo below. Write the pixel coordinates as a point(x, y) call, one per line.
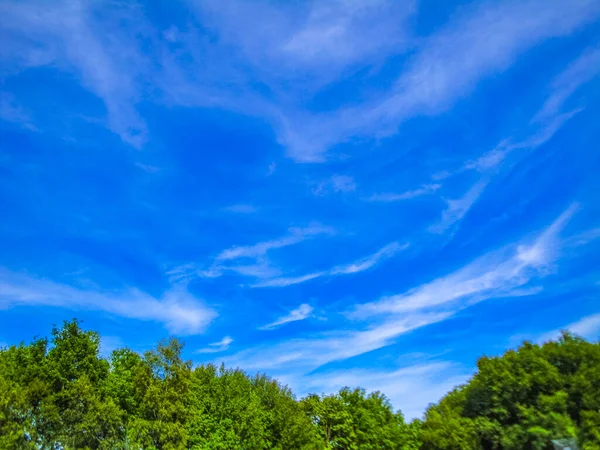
point(302, 312)
point(414, 387)
point(346, 269)
point(216, 347)
point(303, 50)
point(587, 327)
point(336, 184)
point(309, 353)
point(102, 53)
point(250, 260)
point(511, 271)
point(457, 208)
point(493, 35)
point(391, 197)
point(179, 311)
point(495, 274)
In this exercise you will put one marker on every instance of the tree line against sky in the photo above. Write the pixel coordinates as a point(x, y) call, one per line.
point(60, 393)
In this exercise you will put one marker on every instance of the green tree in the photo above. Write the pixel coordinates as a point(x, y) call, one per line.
point(161, 386)
point(523, 400)
point(353, 419)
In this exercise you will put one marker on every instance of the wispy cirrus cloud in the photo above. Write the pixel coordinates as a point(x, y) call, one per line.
point(509, 271)
point(302, 50)
point(345, 269)
point(72, 37)
point(587, 327)
point(413, 387)
point(492, 35)
point(216, 347)
point(13, 112)
point(296, 236)
point(248, 260)
point(313, 41)
point(306, 354)
point(552, 114)
point(391, 197)
point(457, 208)
point(495, 274)
point(581, 71)
point(302, 312)
point(178, 310)
point(335, 184)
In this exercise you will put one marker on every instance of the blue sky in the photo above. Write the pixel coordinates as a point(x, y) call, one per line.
point(334, 193)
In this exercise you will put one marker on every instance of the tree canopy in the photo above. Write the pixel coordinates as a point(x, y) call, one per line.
point(59, 393)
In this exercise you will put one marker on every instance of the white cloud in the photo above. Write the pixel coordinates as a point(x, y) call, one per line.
point(294, 49)
point(217, 347)
point(486, 40)
point(335, 184)
point(458, 208)
point(10, 111)
point(410, 389)
point(587, 327)
point(307, 354)
point(178, 310)
point(296, 236)
point(147, 167)
point(315, 40)
point(390, 197)
point(357, 266)
point(585, 237)
point(498, 273)
point(579, 72)
point(300, 313)
point(102, 52)
point(506, 272)
point(251, 260)
point(550, 117)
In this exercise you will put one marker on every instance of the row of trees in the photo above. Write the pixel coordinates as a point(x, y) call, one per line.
point(60, 394)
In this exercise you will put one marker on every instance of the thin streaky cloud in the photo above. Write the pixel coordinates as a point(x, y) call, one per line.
point(457, 208)
point(335, 345)
point(578, 73)
point(355, 267)
point(498, 273)
point(588, 327)
point(502, 273)
point(414, 387)
point(178, 310)
point(105, 57)
point(370, 261)
point(550, 117)
point(492, 34)
point(254, 258)
point(216, 347)
point(391, 197)
point(296, 236)
point(336, 184)
point(301, 313)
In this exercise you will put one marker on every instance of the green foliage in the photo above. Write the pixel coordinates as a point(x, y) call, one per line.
point(523, 400)
point(352, 420)
point(60, 394)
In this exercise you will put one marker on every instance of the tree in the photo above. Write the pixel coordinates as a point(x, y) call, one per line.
point(161, 384)
point(61, 394)
point(523, 400)
point(352, 419)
